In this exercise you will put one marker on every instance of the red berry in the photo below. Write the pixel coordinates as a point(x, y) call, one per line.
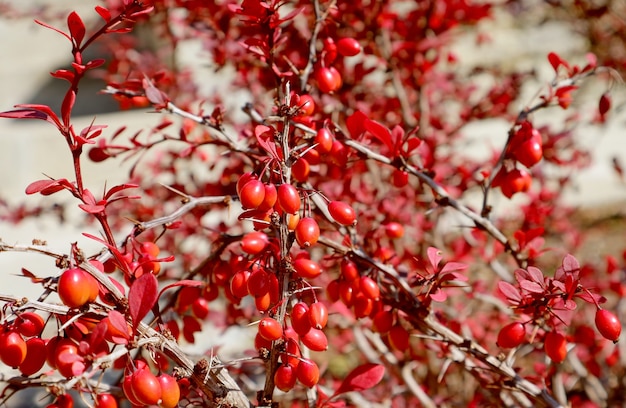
point(200, 308)
point(150, 249)
point(105, 401)
point(146, 387)
point(363, 306)
point(555, 346)
point(399, 338)
point(254, 242)
point(29, 324)
point(271, 195)
point(35, 356)
point(270, 329)
point(318, 315)
point(239, 284)
point(127, 387)
point(301, 169)
point(608, 325)
point(515, 181)
point(348, 269)
point(76, 288)
point(285, 377)
point(394, 230)
point(369, 287)
point(307, 232)
point(527, 149)
point(348, 47)
point(328, 79)
point(330, 51)
point(308, 373)
point(258, 283)
point(305, 104)
point(288, 198)
point(400, 178)
point(315, 340)
point(170, 391)
point(511, 335)
point(342, 212)
point(383, 321)
point(243, 180)
point(13, 348)
point(306, 268)
point(300, 318)
point(252, 194)
point(324, 140)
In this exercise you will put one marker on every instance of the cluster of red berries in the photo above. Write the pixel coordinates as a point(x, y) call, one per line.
point(525, 147)
point(327, 76)
point(361, 293)
point(143, 388)
point(307, 324)
point(555, 342)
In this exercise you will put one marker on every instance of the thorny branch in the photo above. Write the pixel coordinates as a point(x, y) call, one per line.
point(462, 350)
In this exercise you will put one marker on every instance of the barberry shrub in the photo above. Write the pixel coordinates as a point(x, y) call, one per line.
point(332, 250)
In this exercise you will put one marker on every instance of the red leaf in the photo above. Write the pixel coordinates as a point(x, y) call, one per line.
point(439, 295)
point(380, 132)
point(41, 23)
point(91, 209)
point(104, 13)
point(40, 185)
point(142, 295)
point(556, 61)
point(76, 27)
point(154, 95)
point(453, 266)
point(535, 275)
point(118, 321)
point(356, 123)
point(604, 104)
point(509, 291)
point(117, 189)
point(532, 287)
point(434, 256)
point(33, 112)
point(185, 282)
point(570, 264)
point(362, 378)
point(63, 74)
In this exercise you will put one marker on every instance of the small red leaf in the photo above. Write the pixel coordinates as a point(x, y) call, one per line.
point(104, 13)
point(453, 266)
point(532, 287)
point(362, 378)
point(117, 189)
point(185, 282)
point(33, 112)
point(356, 123)
point(535, 274)
point(604, 104)
point(63, 74)
point(434, 256)
point(142, 295)
point(76, 27)
point(118, 321)
point(509, 291)
point(380, 132)
point(40, 185)
point(41, 23)
point(91, 209)
point(570, 264)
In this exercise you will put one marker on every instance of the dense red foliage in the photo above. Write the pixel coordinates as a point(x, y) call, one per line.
point(342, 179)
